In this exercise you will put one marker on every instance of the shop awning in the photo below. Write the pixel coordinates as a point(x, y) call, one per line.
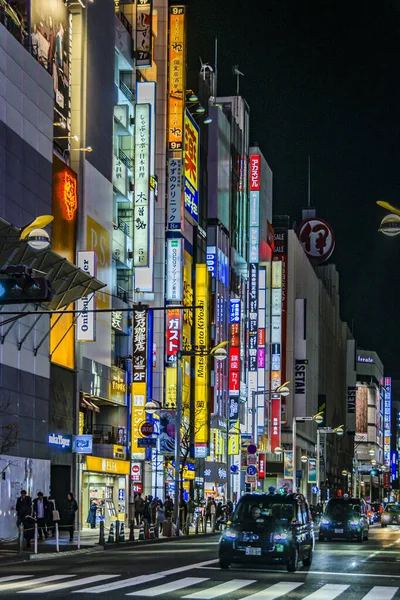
point(84, 403)
point(68, 281)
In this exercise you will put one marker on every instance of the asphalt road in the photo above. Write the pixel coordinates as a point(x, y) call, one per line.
point(189, 569)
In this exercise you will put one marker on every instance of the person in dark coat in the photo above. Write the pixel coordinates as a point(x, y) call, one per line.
point(41, 512)
point(91, 518)
point(71, 506)
point(24, 511)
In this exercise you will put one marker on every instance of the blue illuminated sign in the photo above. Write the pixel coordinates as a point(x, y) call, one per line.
point(82, 444)
point(64, 442)
point(211, 260)
point(394, 464)
point(234, 311)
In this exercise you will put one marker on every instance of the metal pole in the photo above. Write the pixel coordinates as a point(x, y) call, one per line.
point(36, 538)
point(318, 466)
point(294, 455)
point(57, 538)
point(253, 416)
point(178, 419)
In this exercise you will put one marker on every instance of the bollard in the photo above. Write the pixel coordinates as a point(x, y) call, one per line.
point(131, 531)
point(111, 534)
point(213, 523)
point(57, 538)
point(79, 536)
point(36, 538)
point(141, 531)
point(117, 526)
point(196, 525)
point(121, 536)
point(20, 537)
point(101, 537)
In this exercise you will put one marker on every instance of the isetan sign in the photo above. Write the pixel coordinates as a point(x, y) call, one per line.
point(255, 162)
point(365, 359)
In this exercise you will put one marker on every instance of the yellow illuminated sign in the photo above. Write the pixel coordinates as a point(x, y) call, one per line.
point(99, 239)
point(176, 79)
point(276, 274)
point(233, 439)
point(201, 319)
point(107, 465)
point(170, 387)
point(138, 415)
point(191, 161)
point(81, 424)
point(186, 474)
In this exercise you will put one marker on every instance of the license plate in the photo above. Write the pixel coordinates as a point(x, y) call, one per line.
point(253, 551)
point(338, 530)
point(279, 548)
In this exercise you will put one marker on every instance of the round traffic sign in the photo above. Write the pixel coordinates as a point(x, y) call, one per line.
point(234, 468)
point(314, 489)
point(146, 428)
point(251, 470)
point(251, 448)
point(135, 469)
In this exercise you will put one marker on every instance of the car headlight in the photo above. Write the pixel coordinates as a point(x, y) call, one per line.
point(386, 517)
point(325, 522)
point(229, 534)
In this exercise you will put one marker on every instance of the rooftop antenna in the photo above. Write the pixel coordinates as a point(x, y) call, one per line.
point(309, 183)
point(235, 71)
point(215, 67)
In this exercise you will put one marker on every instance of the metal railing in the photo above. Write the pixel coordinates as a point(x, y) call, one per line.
point(122, 294)
point(124, 158)
point(13, 22)
point(123, 226)
point(104, 434)
point(126, 91)
point(125, 22)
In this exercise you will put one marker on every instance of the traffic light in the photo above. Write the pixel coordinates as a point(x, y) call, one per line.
point(17, 286)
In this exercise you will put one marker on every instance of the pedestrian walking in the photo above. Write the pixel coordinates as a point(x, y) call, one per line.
point(208, 510)
point(91, 518)
point(190, 511)
point(160, 515)
point(71, 506)
point(168, 508)
point(24, 510)
point(139, 506)
point(41, 512)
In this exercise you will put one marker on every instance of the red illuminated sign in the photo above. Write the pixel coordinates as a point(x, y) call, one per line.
point(234, 359)
point(255, 163)
point(234, 383)
point(275, 421)
point(173, 333)
point(261, 466)
point(317, 238)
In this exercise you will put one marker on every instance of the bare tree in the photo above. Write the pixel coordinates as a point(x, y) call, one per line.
point(9, 431)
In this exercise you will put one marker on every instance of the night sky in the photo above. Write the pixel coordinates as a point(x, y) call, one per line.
point(322, 79)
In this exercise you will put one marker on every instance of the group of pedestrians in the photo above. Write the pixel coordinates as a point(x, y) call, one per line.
point(43, 512)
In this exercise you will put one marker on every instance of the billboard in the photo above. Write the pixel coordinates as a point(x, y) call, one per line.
point(142, 186)
point(174, 283)
point(253, 317)
point(255, 166)
point(300, 363)
point(176, 77)
point(173, 333)
point(191, 159)
point(362, 410)
point(144, 33)
point(50, 39)
point(317, 238)
point(387, 419)
point(201, 391)
point(275, 421)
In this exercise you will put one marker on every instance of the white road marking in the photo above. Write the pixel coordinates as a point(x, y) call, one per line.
point(13, 577)
point(274, 591)
point(116, 585)
point(169, 587)
point(380, 592)
point(307, 573)
point(327, 592)
point(219, 590)
point(69, 584)
point(20, 584)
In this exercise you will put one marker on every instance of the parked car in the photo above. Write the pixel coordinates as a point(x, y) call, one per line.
point(268, 529)
point(345, 518)
point(391, 514)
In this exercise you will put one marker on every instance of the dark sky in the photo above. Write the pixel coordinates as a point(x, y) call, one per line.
point(322, 79)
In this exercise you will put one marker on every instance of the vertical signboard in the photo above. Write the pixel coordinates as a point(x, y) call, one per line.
point(234, 359)
point(139, 378)
point(300, 352)
point(191, 159)
point(174, 210)
point(201, 416)
point(142, 186)
point(278, 317)
point(253, 317)
point(144, 33)
point(174, 286)
point(387, 418)
point(312, 470)
point(173, 341)
point(254, 234)
point(275, 421)
point(176, 77)
point(86, 320)
point(351, 378)
point(288, 464)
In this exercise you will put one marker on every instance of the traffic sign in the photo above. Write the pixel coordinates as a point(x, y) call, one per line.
point(147, 428)
point(251, 448)
point(251, 470)
point(146, 442)
point(251, 459)
point(314, 489)
point(234, 468)
point(251, 479)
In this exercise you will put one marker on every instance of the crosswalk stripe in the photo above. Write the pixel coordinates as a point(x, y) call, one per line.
point(14, 577)
point(169, 587)
point(20, 584)
point(219, 590)
point(274, 591)
point(327, 592)
point(381, 591)
point(117, 585)
point(64, 586)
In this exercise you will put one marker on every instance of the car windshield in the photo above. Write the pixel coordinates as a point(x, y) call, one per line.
point(263, 512)
point(339, 510)
point(393, 508)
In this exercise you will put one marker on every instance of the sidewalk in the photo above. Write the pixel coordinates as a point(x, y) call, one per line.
point(89, 542)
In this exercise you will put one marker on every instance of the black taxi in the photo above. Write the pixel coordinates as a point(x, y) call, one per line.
point(267, 529)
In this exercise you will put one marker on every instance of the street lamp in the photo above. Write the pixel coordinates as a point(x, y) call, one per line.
point(325, 430)
point(219, 353)
point(318, 418)
point(283, 390)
